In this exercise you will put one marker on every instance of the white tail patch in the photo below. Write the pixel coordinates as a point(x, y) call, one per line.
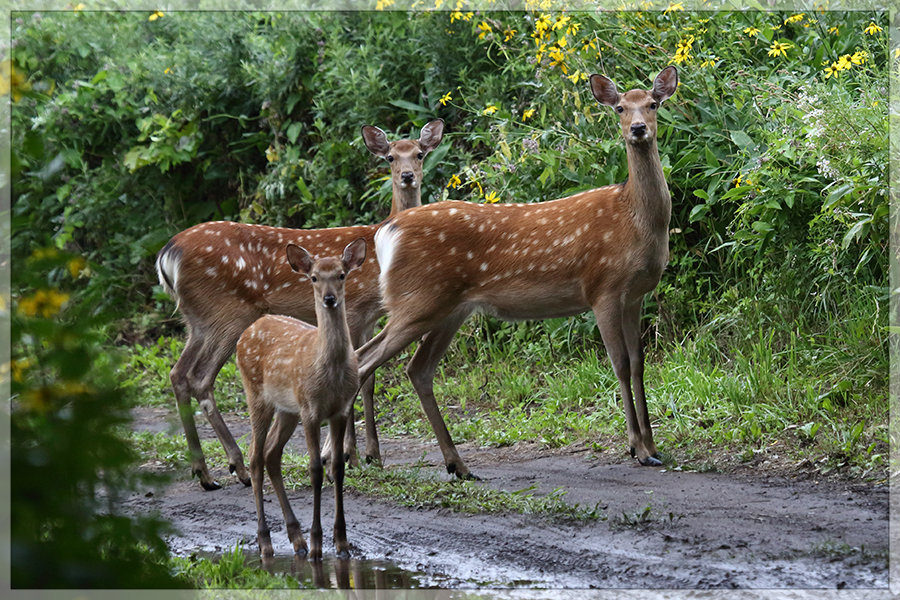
point(386, 240)
point(167, 266)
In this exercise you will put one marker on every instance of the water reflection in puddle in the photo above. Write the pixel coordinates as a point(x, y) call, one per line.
point(335, 573)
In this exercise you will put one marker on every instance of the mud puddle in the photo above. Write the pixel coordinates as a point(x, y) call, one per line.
point(699, 531)
point(332, 573)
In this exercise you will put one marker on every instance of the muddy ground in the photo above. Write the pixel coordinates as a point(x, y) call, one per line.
point(751, 528)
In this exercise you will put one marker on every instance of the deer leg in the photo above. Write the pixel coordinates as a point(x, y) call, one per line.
point(208, 369)
point(367, 391)
point(373, 450)
point(311, 429)
point(397, 334)
point(282, 429)
point(260, 422)
point(609, 314)
point(631, 325)
point(421, 371)
point(340, 526)
point(181, 385)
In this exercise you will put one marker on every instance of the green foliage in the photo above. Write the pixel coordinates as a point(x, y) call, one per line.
point(70, 468)
point(229, 571)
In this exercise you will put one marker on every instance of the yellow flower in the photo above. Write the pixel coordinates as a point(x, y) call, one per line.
point(454, 181)
point(78, 7)
point(12, 81)
point(45, 303)
point(508, 34)
point(271, 153)
point(44, 253)
point(527, 114)
point(383, 4)
point(561, 22)
point(156, 15)
point(573, 29)
point(18, 367)
point(168, 70)
point(872, 29)
point(859, 57)
point(485, 29)
point(844, 63)
point(76, 266)
point(456, 15)
point(709, 62)
point(751, 31)
point(834, 30)
point(491, 109)
point(557, 58)
point(577, 76)
point(542, 24)
point(896, 53)
point(539, 55)
point(674, 7)
point(832, 70)
point(492, 197)
point(445, 99)
point(779, 49)
point(794, 19)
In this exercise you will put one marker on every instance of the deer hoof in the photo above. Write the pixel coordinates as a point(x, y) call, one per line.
point(211, 486)
point(206, 481)
point(650, 461)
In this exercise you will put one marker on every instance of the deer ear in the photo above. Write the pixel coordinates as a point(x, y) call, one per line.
point(665, 84)
point(604, 90)
point(354, 254)
point(376, 141)
point(431, 135)
point(299, 259)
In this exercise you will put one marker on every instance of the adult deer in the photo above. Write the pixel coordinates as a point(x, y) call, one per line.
point(599, 250)
point(293, 371)
point(226, 275)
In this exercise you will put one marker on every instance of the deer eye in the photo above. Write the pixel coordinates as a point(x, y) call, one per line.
point(421, 155)
point(313, 278)
point(390, 158)
point(619, 109)
point(342, 276)
point(654, 106)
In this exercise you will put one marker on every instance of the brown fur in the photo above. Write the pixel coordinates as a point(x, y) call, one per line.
point(226, 275)
point(292, 370)
point(599, 250)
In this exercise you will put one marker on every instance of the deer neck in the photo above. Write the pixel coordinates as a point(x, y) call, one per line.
point(333, 339)
point(403, 198)
point(647, 189)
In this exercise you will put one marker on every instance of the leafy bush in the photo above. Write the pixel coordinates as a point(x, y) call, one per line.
point(70, 466)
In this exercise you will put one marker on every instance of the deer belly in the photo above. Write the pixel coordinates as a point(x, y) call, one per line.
point(534, 302)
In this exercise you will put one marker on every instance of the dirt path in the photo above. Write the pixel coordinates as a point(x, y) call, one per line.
point(705, 530)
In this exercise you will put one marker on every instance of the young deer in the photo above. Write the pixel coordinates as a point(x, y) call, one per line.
point(599, 250)
point(226, 275)
point(294, 371)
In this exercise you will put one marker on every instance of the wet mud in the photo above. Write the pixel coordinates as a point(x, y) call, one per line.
point(664, 529)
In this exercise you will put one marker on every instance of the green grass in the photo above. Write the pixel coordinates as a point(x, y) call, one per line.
point(414, 486)
point(230, 571)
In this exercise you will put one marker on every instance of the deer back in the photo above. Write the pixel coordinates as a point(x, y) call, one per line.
point(222, 269)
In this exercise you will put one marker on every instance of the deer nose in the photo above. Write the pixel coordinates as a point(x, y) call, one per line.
point(330, 301)
point(638, 129)
point(407, 177)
